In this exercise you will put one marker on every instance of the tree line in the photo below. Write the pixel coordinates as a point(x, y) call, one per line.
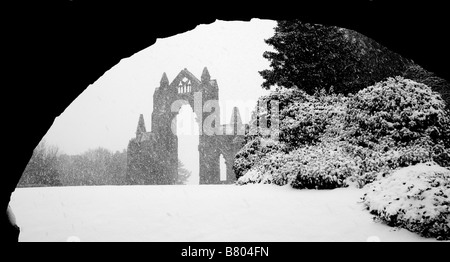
point(100, 166)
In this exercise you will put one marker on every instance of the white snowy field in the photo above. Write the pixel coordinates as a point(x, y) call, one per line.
point(197, 213)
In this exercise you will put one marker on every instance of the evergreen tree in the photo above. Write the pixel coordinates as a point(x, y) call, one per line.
point(314, 57)
point(183, 174)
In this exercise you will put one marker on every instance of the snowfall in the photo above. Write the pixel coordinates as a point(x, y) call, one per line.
point(193, 213)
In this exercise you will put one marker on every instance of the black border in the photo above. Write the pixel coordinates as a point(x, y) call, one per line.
point(52, 52)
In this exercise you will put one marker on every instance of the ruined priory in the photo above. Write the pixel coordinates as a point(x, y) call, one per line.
point(152, 157)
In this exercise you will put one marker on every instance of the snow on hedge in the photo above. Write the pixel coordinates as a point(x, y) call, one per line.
point(415, 198)
point(326, 140)
point(322, 166)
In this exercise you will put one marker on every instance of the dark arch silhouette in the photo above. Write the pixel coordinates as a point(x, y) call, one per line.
point(52, 53)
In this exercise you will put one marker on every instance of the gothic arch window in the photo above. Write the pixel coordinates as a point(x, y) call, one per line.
point(188, 85)
point(185, 85)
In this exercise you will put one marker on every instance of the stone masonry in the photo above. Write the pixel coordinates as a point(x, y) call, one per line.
point(153, 156)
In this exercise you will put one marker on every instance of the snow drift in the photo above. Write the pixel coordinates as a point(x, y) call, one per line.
point(416, 198)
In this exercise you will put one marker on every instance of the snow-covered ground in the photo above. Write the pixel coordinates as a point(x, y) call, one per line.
point(197, 213)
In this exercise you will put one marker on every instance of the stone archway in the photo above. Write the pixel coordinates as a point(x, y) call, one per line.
point(153, 156)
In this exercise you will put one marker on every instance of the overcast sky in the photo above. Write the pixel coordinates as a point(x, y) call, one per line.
point(107, 112)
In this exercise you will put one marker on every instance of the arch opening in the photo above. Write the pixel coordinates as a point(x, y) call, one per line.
point(223, 168)
point(188, 142)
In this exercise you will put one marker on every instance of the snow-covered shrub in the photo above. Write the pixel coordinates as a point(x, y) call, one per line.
point(275, 168)
point(262, 116)
point(321, 166)
point(253, 176)
point(278, 166)
point(397, 113)
point(416, 198)
point(304, 122)
point(252, 152)
point(257, 145)
point(376, 164)
point(326, 140)
point(420, 75)
point(302, 117)
point(285, 97)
